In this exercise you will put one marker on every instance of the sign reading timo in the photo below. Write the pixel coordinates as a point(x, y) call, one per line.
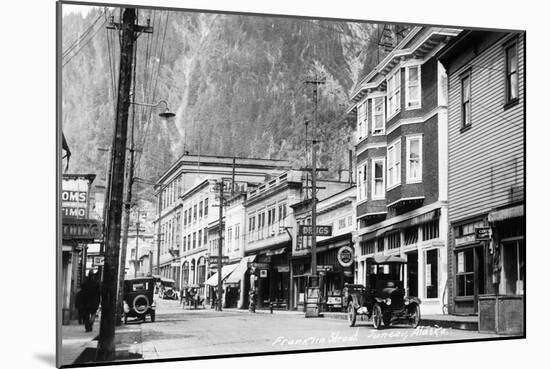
point(74, 198)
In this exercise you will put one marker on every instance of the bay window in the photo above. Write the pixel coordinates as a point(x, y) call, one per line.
point(378, 115)
point(412, 79)
point(362, 124)
point(378, 178)
point(362, 182)
point(414, 159)
point(394, 164)
point(394, 93)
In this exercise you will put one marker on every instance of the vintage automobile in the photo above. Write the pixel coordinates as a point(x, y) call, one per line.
point(138, 298)
point(167, 289)
point(383, 297)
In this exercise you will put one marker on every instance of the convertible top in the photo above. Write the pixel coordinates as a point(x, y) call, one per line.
point(386, 259)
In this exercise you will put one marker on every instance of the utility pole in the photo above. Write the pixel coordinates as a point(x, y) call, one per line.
point(158, 231)
point(105, 207)
point(220, 239)
point(106, 342)
point(137, 243)
point(315, 82)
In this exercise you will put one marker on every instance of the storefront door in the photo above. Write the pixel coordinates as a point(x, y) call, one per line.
point(412, 273)
point(513, 268)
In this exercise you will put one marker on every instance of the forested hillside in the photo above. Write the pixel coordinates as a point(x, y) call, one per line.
point(234, 81)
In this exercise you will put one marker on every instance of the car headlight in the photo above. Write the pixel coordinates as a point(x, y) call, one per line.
point(388, 301)
point(407, 302)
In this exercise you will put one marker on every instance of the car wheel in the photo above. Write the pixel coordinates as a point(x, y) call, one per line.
point(152, 316)
point(415, 316)
point(352, 315)
point(377, 316)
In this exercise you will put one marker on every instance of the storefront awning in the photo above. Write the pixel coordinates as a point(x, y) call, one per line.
point(238, 273)
point(226, 270)
point(505, 214)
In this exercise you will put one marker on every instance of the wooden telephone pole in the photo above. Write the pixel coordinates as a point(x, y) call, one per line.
point(315, 82)
point(106, 343)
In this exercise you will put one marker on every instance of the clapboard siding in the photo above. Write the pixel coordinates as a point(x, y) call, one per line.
point(487, 160)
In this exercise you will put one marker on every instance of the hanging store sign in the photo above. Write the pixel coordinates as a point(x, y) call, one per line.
point(74, 196)
point(82, 229)
point(98, 260)
point(263, 273)
point(214, 259)
point(322, 230)
point(345, 256)
point(258, 265)
point(483, 234)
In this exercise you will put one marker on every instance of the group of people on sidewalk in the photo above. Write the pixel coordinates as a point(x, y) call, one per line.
point(189, 296)
point(87, 301)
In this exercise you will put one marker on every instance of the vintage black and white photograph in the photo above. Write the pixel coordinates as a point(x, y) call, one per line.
point(232, 183)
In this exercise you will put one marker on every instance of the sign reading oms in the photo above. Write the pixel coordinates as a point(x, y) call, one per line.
point(74, 197)
point(322, 230)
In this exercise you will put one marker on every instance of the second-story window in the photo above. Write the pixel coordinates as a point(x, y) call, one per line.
point(194, 212)
point(185, 218)
point(199, 238)
point(394, 164)
point(184, 243)
point(378, 115)
point(194, 240)
point(362, 126)
point(200, 209)
point(394, 93)
point(189, 216)
point(413, 91)
point(237, 236)
point(465, 99)
point(414, 159)
point(205, 207)
point(511, 72)
point(362, 182)
point(378, 178)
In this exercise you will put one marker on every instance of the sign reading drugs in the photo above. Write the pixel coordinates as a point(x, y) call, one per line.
point(322, 230)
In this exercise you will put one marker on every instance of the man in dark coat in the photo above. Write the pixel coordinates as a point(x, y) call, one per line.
point(90, 301)
point(79, 306)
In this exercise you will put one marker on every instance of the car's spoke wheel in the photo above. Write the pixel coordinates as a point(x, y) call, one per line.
point(377, 316)
point(415, 316)
point(352, 315)
point(141, 304)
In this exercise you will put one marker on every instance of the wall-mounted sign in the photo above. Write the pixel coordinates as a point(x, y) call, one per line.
point(258, 265)
point(283, 269)
point(325, 268)
point(345, 256)
point(98, 260)
point(322, 230)
point(82, 229)
point(74, 196)
point(263, 273)
point(483, 233)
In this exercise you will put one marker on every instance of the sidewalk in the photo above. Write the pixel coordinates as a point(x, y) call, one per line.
point(468, 323)
point(79, 346)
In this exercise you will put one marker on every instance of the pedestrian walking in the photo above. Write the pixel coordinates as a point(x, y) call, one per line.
point(79, 306)
point(90, 301)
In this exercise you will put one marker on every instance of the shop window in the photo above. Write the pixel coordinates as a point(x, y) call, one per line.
point(411, 235)
point(431, 270)
point(465, 273)
point(394, 240)
point(430, 230)
point(380, 244)
point(513, 267)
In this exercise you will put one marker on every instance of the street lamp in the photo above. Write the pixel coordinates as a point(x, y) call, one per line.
point(165, 115)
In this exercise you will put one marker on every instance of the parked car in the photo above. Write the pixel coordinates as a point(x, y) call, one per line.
point(167, 289)
point(383, 297)
point(138, 298)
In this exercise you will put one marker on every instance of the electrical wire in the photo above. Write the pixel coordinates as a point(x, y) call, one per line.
point(76, 42)
point(84, 45)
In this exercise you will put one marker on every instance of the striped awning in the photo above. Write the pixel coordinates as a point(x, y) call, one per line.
point(226, 270)
point(236, 276)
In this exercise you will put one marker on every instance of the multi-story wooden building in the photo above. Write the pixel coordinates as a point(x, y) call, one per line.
point(185, 196)
point(486, 74)
point(401, 154)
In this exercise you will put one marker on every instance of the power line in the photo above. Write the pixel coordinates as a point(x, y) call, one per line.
point(85, 44)
point(83, 35)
